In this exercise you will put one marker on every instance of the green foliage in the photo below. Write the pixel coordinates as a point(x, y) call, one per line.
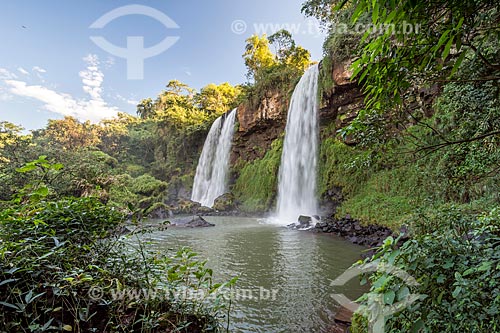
point(164, 142)
point(342, 166)
point(258, 56)
point(147, 185)
point(273, 73)
point(456, 261)
point(343, 39)
point(69, 134)
point(408, 46)
point(325, 79)
point(144, 192)
point(289, 54)
point(380, 63)
point(218, 99)
point(63, 268)
point(370, 193)
point(449, 157)
point(42, 245)
point(181, 119)
point(256, 185)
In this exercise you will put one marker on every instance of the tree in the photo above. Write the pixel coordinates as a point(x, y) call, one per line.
point(218, 98)
point(415, 37)
point(145, 109)
point(9, 133)
point(283, 42)
point(114, 134)
point(70, 134)
point(408, 44)
point(258, 56)
point(287, 53)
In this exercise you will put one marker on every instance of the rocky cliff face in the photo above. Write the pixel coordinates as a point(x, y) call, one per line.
point(261, 125)
point(341, 103)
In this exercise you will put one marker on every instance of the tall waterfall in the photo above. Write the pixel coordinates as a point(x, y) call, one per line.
point(210, 180)
point(297, 175)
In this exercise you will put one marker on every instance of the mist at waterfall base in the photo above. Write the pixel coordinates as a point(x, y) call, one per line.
point(210, 180)
point(297, 173)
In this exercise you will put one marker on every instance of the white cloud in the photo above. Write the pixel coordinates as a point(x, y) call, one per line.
point(93, 108)
point(92, 77)
point(6, 75)
point(130, 101)
point(39, 69)
point(23, 71)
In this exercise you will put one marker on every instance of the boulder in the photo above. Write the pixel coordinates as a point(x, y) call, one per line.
point(158, 211)
point(194, 221)
point(204, 210)
point(185, 206)
point(224, 203)
point(303, 219)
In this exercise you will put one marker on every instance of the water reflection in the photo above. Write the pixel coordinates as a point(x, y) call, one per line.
point(296, 267)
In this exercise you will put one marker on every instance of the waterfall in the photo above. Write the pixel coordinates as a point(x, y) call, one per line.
point(210, 180)
point(297, 175)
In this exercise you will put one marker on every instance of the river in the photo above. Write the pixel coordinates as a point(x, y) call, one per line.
point(287, 272)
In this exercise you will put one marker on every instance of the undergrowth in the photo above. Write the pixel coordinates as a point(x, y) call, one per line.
point(256, 186)
point(64, 266)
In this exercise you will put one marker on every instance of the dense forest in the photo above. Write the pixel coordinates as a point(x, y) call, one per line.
point(409, 140)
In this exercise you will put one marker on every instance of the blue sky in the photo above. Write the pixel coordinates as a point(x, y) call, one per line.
point(49, 67)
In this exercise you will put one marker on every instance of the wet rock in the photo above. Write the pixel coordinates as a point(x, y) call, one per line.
point(353, 231)
point(204, 210)
point(186, 206)
point(195, 221)
point(158, 211)
point(305, 222)
point(224, 203)
point(303, 219)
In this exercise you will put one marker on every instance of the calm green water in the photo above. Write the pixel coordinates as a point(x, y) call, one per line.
point(296, 266)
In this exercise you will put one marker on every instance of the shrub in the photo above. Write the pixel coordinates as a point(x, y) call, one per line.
point(456, 262)
point(63, 267)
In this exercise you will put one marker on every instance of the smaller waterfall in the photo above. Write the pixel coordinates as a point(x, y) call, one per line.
point(210, 180)
point(297, 175)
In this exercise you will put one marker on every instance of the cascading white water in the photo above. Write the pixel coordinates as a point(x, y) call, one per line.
point(205, 163)
point(297, 175)
point(210, 180)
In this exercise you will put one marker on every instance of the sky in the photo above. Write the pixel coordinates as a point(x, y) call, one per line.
point(50, 67)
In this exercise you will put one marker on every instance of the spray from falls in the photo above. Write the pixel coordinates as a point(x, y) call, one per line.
point(297, 175)
point(210, 180)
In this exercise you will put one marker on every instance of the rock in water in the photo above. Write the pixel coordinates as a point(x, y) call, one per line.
point(195, 221)
point(303, 219)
